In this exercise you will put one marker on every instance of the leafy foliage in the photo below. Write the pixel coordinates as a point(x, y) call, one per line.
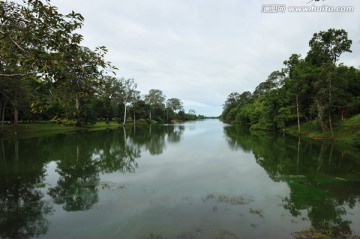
point(47, 74)
point(305, 89)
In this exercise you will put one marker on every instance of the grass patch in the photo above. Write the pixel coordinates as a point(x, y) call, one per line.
point(47, 128)
point(345, 132)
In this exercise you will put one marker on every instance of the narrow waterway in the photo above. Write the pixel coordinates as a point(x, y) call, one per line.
point(201, 179)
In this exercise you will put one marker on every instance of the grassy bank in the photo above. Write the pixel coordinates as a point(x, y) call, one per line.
point(45, 128)
point(345, 132)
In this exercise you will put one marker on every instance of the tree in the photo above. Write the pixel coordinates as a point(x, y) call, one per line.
point(293, 82)
point(325, 50)
point(109, 94)
point(155, 99)
point(328, 46)
point(140, 109)
point(38, 44)
point(174, 105)
point(34, 36)
point(231, 101)
point(128, 94)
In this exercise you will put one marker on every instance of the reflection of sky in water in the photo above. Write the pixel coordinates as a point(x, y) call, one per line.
point(167, 195)
point(197, 187)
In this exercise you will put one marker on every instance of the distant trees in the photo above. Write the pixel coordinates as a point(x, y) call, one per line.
point(155, 99)
point(315, 87)
point(173, 105)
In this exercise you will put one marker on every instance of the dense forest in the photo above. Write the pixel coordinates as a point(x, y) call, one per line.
point(47, 74)
point(315, 88)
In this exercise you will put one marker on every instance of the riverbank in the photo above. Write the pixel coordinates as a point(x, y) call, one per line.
point(345, 132)
point(47, 128)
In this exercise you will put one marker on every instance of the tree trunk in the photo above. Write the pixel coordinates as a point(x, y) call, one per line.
point(134, 118)
point(16, 113)
point(150, 114)
point(3, 152)
point(16, 144)
point(124, 121)
point(321, 116)
point(330, 107)
point(298, 113)
point(77, 153)
point(330, 125)
point(331, 153)
point(77, 107)
point(2, 116)
point(125, 137)
point(298, 156)
point(320, 158)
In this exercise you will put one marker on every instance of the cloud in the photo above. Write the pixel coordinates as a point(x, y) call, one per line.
point(201, 50)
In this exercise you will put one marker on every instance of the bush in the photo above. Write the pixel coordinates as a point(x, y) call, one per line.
point(356, 139)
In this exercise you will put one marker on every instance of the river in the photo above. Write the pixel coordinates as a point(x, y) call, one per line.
point(201, 179)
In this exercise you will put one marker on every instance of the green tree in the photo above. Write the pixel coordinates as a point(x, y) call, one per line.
point(173, 105)
point(155, 99)
point(33, 38)
point(128, 94)
point(325, 50)
point(293, 83)
point(37, 43)
point(109, 94)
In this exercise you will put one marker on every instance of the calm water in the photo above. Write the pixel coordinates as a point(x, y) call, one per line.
point(201, 179)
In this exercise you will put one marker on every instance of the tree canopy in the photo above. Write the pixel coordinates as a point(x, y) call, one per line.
point(305, 89)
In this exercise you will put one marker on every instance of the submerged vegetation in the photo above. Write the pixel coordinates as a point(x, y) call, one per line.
point(232, 200)
point(322, 234)
point(312, 91)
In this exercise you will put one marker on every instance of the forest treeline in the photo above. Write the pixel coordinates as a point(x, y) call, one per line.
point(47, 74)
point(314, 88)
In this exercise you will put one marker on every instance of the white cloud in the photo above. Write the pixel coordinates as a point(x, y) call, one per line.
point(202, 50)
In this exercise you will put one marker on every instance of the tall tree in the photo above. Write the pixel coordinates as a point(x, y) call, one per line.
point(37, 43)
point(129, 94)
point(325, 50)
point(155, 99)
point(293, 82)
point(109, 94)
point(173, 105)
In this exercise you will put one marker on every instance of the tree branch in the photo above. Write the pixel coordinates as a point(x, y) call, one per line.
point(16, 74)
point(13, 41)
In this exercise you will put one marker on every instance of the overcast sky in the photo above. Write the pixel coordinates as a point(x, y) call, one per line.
point(202, 50)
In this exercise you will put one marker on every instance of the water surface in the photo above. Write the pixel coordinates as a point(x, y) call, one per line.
point(202, 179)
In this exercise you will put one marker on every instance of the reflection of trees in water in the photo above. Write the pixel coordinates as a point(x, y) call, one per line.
point(22, 213)
point(76, 187)
point(80, 157)
point(119, 155)
point(321, 179)
point(154, 138)
point(174, 133)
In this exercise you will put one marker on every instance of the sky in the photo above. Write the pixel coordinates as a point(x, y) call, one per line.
point(202, 50)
